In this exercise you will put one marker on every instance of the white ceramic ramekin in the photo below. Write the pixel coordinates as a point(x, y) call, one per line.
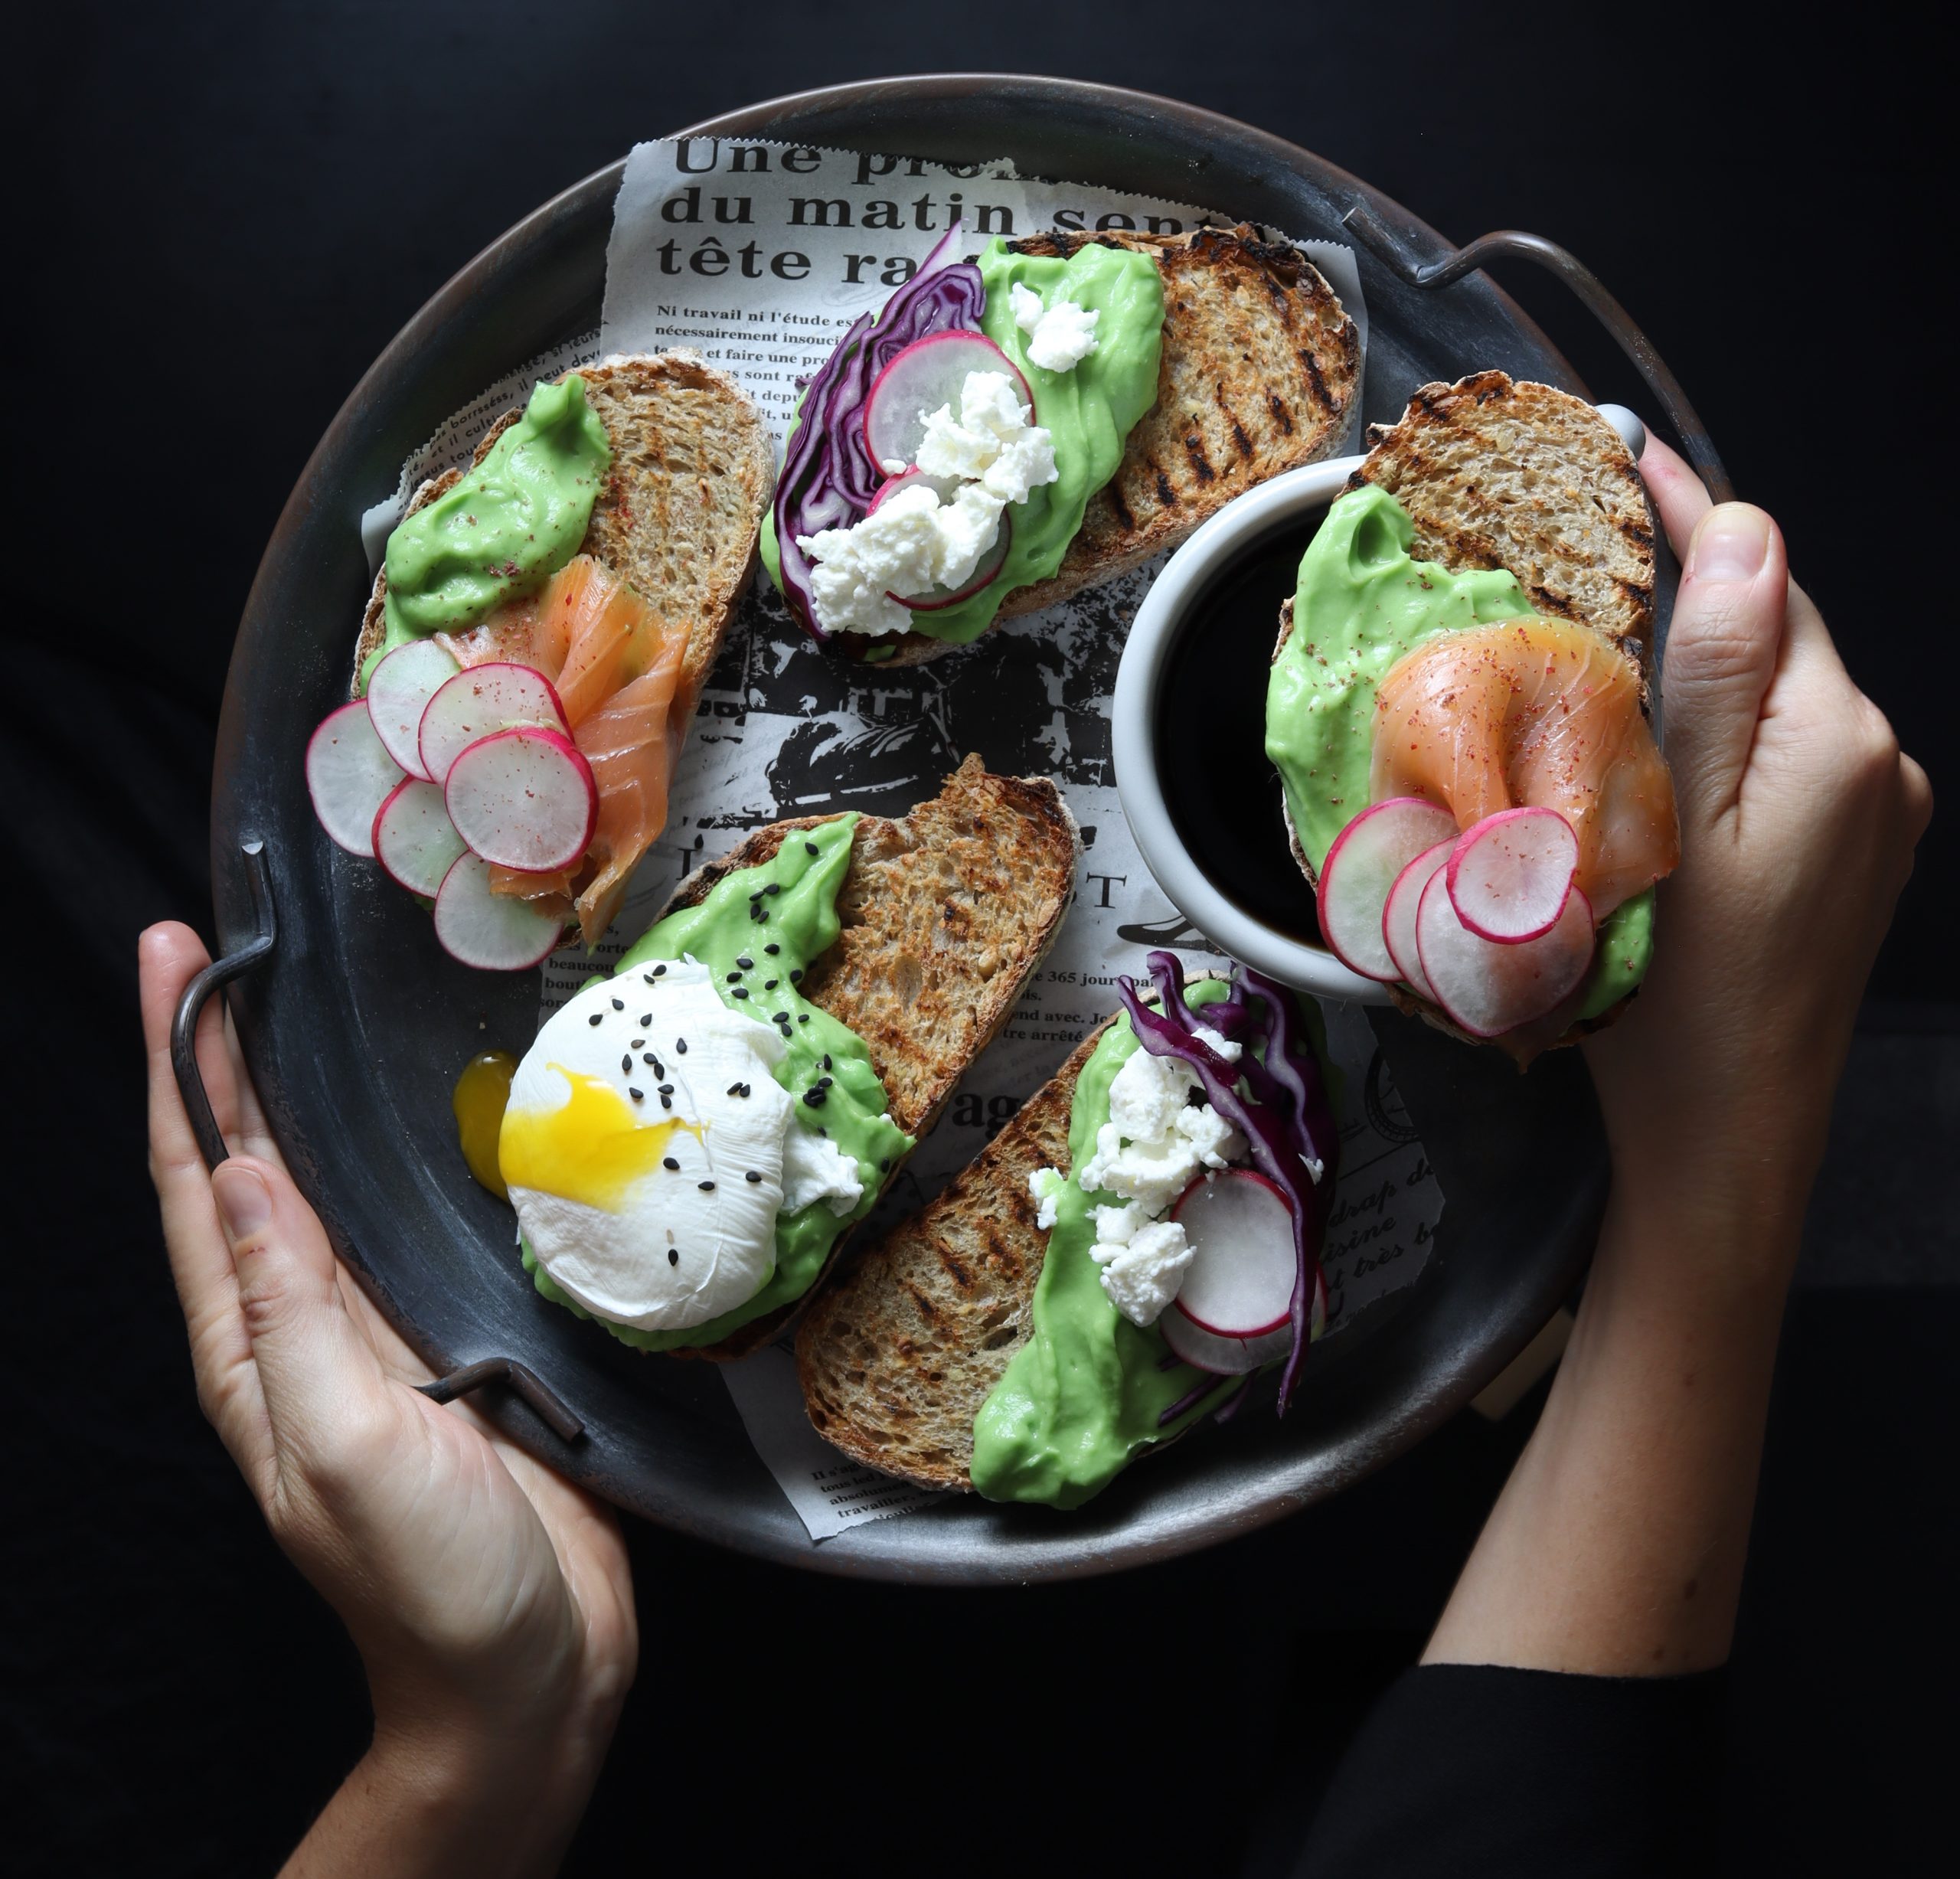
point(1190, 574)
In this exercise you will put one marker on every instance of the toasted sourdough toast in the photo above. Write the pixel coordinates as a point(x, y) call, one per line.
point(1496, 473)
point(945, 913)
point(900, 1351)
point(1260, 369)
point(691, 473)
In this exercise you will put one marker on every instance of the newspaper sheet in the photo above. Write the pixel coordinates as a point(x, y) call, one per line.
point(758, 255)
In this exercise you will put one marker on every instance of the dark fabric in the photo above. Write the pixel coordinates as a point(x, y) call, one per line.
point(1464, 1770)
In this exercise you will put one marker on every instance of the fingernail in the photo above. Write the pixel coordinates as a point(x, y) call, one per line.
point(1732, 544)
point(244, 1201)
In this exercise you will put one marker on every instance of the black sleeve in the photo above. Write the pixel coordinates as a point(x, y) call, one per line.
point(1464, 1770)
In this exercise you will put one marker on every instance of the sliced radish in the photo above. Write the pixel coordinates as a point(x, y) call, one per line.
point(1511, 874)
point(399, 690)
point(1398, 916)
point(944, 488)
point(1223, 1357)
point(1239, 1226)
point(349, 775)
point(414, 839)
point(523, 798)
point(1360, 869)
point(490, 930)
point(494, 696)
point(1488, 987)
point(928, 373)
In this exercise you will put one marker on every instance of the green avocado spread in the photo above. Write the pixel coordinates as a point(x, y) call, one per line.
point(1090, 411)
point(1362, 603)
point(506, 526)
point(782, 915)
point(1082, 1397)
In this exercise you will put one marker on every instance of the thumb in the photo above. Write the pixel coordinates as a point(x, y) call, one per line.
point(1721, 651)
point(312, 1364)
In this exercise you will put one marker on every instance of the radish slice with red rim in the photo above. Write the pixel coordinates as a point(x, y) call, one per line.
point(1398, 916)
point(494, 696)
point(1223, 1356)
point(929, 373)
point(1360, 869)
point(523, 798)
point(1240, 1227)
point(399, 690)
point(1510, 874)
point(1487, 987)
point(986, 571)
point(415, 841)
point(490, 931)
point(349, 776)
point(944, 488)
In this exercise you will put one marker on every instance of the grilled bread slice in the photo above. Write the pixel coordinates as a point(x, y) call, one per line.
point(692, 472)
point(1498, 473)
point(1260, 369)
point(898, 1354)
point(945, 913)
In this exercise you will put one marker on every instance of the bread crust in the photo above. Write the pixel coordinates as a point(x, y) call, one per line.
point(1260, 368)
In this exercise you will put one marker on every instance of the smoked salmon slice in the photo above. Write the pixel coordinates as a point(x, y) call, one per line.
point(1533, 713)
point(616, 668)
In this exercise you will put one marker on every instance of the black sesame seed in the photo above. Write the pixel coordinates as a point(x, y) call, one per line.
point(774, 888)
point(596, 1017)
point(752, 1176)
point(619, 1004)
point(680, 1046)
point(884, 1164)
point(746, 1090)
point(638, 1095)
point(809, 848)
point(746, 964)
point(673, 1256)
point(826, 1060)
point(741, 992)
point(771, 947)
point(769, 985)
point(734, 1089)
point(636, 1042)
point(647, 979)
point(660, 972)
point(816, 1098)
point(659, 1070)
point(667, 1102)
point(652, 1064)
point(734, 979)
point(783, 1018)
point(796, 974)
point(625, 1064)
point(706, 1187)
point(824, 1083)
point(646, 1019)
point(668, 1163)
point(757, 895)
point(802, 1017)
point(666, 1089)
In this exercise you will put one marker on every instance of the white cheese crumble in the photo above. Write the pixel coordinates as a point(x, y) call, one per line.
point(1058, 338)
point(913, 542)
point(1155, 1143)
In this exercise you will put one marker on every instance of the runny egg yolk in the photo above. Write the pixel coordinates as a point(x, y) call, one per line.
point(591, 1150)
point(482, 1092)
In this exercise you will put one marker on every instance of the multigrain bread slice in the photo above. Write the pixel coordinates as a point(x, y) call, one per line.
point(692, 472)
point(1261, 367)
point(898, 1354)
point(945, 913)
point(1498, 473)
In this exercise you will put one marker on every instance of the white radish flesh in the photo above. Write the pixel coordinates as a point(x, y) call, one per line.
point(1487, 987)
point(399, 690)
point(929, 373)
point(1240, 1227)
point(491, 697)
point(1511, 874)
point(491, 931)
point(1360, 869)
point(1223, 1357)
point(1398, 917)
point(415, 841)
point(523, 798)
point(349, 775)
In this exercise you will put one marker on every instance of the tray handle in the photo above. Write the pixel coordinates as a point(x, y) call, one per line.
point(549, 1406)
point(1515, 244)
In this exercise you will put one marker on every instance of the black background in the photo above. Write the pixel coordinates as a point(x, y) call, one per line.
point(220, 215)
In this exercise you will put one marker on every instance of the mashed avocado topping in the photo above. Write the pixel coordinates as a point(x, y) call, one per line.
point(1362, 603)
point(1089, 409)
point(758, 930)
point(506, 526)
point(1082, 1398)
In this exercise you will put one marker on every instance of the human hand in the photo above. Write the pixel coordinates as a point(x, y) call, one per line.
point(1799, 815)
point(490, 1600)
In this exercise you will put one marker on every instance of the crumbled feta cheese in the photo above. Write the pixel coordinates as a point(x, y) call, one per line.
point(1225, 1047)
point(1044, 1187)
point(894, 466)
point(990, 441)
point(1146, 1094)
point(911, 544)
point(1058, 338)
point(1142, 1275)
point(1215, 1140)
point(1154, 1173)
point(1117, 1225)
